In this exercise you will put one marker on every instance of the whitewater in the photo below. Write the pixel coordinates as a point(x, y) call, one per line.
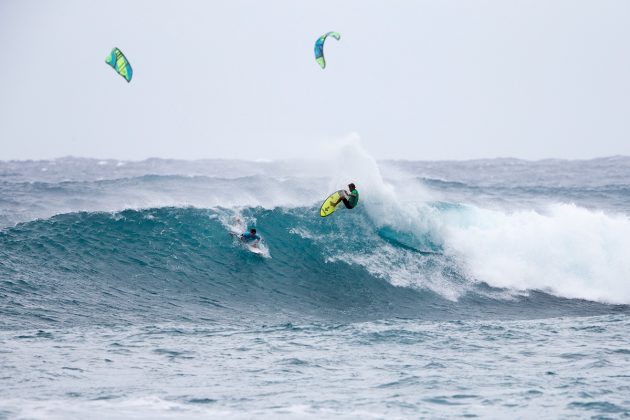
point(487, 288)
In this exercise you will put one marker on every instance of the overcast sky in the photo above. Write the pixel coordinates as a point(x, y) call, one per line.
point(415, 79)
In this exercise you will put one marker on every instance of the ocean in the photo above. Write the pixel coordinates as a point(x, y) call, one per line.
point(493, 288)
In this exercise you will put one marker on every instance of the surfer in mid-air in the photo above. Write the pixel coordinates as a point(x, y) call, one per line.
point(350, 199)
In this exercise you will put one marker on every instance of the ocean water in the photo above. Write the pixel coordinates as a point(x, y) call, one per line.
point(490, 288)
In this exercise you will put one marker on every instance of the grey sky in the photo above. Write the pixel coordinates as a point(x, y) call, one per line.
point(237, 79)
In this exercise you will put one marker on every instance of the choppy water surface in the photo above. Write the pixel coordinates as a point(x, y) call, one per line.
point(554, 368)
point(456, 289)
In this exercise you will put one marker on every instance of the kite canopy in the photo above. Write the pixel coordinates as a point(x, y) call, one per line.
point(319, 47)
point(119, 62)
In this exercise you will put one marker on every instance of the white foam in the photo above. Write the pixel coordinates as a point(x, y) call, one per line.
point(404, 268)
point(399, 204)
point(148, 407)
point(236, 224)
point(567, 250)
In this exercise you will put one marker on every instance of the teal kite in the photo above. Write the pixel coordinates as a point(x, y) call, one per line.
point(319, 47)
point(119, 62)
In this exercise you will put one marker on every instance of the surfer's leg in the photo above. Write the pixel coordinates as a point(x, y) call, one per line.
point(346, 203)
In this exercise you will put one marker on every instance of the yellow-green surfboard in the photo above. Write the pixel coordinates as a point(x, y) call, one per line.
point(328, 208)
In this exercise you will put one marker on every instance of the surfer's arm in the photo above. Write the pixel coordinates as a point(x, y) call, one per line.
point(345, 193)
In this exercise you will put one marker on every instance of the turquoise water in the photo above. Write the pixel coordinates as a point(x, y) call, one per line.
point(489, 288)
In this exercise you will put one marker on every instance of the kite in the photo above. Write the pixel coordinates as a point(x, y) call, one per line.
point(119, 62)
point(319, 47)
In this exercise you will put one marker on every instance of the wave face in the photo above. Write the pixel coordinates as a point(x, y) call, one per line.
point(107, 242)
